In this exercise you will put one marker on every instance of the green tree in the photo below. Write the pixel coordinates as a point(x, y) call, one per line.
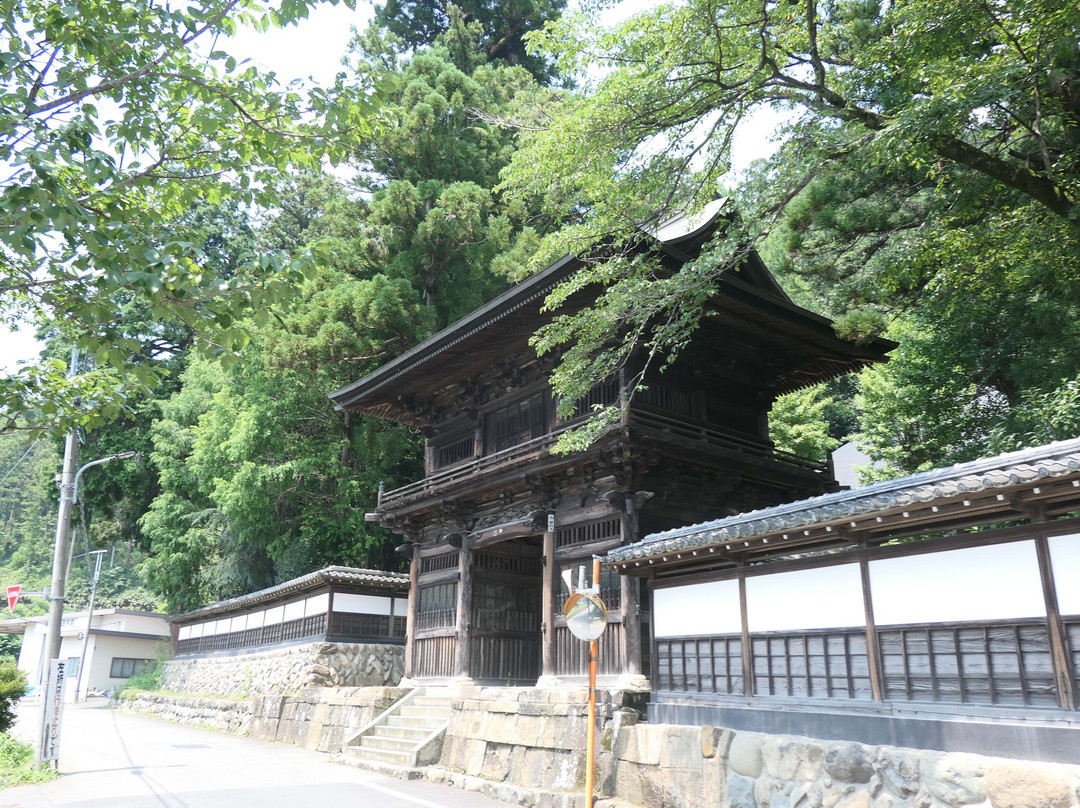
point(913, 151)
point(114, 122)
point(505, 26)
point(12, 688)
point(261, 479)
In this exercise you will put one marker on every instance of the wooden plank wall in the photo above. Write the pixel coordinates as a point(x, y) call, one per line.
point(988, 663)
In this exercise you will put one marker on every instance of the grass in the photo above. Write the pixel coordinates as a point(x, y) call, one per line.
point(17, 764)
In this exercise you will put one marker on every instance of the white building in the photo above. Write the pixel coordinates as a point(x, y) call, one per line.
point(121, 643)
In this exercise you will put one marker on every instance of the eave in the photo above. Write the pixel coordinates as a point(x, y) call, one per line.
point(1036, 484)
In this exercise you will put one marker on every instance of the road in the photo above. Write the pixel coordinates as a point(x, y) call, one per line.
point(111, 759)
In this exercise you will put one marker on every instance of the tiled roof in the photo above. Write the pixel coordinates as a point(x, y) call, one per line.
point(328, 575)
point(1026, 466)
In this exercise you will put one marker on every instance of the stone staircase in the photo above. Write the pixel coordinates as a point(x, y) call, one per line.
point(408, 734)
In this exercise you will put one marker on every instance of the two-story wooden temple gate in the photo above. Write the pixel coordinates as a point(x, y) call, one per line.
point(498, 516)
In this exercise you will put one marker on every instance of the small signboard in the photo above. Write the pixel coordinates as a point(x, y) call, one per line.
point(54, 710)
point(13, 596)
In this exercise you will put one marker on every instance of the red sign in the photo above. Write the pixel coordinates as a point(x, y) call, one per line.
point(13, 596)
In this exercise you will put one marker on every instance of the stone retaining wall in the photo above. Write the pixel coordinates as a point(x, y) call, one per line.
point(292, 669)
point(531, 737)
point(665, 766)
point(319, 718)
point(226, 715)
point(529, 744)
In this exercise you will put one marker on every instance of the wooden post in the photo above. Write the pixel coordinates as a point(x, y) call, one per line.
point(1059, 653)
point(462, 665)
point(747, 651)
point(551, 581)
point(410, 620)
point(629, 588)
point(590, 727)
point(873, 657)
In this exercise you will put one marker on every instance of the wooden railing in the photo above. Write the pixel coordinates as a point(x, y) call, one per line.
point(465, 471)
point(719, 438)
point(649, 422)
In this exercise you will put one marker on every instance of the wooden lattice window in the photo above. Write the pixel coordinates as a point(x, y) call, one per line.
point(970, 664)
point(679, 402)
point(451, 453)
point(349, 625)
point(497, 562)
point(437, 606)
point(517, 423)
point(601, 395)
point(506, 607)
point(438, 563)
point(700, 664)
point(588, 532)
point(823, 665)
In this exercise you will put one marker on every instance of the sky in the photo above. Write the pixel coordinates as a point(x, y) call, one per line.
point(314, 49)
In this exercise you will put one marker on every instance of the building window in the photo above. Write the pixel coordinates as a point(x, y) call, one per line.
point(438, 606)
point(123, 668)
point(517, 423)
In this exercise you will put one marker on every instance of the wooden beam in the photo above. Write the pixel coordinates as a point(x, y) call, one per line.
point(1059, 649)
point(873, 656)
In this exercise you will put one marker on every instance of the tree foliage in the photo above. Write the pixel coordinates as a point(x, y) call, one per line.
point(505, 26)
point(927, 176)
point(115, 122)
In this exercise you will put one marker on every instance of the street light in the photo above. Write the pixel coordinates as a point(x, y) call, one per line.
point(69, 492)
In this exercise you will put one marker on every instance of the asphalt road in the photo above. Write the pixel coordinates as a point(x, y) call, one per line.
point(110, 759)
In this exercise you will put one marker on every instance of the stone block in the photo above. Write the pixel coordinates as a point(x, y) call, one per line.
point(744, 754)
point(955, 778)
point(740, 792)
point(496, 764)
point(1011, 784)
point(792, 759)
point(849, 763)
point(639, 744)
point(900, 770)
point(681, 748)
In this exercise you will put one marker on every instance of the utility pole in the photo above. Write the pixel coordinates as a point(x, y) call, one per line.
point(69, 493)
point(63, 535)
point(89, 621)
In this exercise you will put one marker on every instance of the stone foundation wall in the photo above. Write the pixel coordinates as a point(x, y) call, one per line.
point(664, 766)
point(532, 738)
point(531, 742)
point(292, 669)
point(319, 718)
point(226, 715)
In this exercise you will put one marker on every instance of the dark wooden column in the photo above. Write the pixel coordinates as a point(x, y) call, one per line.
point(550, 582)
point(629, 589)
point(462, 662)
point(410, 617)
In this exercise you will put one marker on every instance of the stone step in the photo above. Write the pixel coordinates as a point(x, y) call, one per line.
point(412, 733)
point(413, 710)
point(384, 742)
point(382, 755)
point(414, 721)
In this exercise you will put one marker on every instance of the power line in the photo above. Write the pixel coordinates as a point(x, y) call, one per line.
point(21, 459)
